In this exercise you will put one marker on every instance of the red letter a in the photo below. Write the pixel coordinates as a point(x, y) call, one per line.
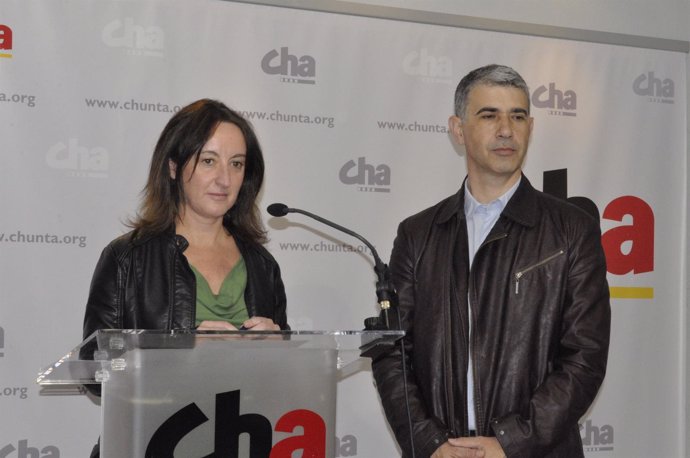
point(640, 259)
point(313, 441)
point(5, 37)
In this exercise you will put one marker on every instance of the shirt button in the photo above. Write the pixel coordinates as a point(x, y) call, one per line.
point(501, 432)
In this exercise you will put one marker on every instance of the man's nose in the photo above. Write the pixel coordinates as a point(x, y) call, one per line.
point(505, 127)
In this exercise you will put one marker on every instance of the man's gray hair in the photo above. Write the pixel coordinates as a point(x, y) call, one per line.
point(490, 75)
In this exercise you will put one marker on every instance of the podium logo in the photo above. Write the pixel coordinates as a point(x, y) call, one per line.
point(429, 68)
point(24, 451)
point(136, 39)
point(5, 41)
point(79, 160)
point(2, 342)
point(559, 103)
point(656, 89)
point(369, 178)
point(230, 425)
point(596, 438)
point(292, 69)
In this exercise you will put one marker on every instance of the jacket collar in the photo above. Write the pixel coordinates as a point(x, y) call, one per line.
point(521, 208)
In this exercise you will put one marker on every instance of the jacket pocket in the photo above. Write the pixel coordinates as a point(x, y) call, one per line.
point(520, 273)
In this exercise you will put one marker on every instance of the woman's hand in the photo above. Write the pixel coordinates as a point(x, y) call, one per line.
point(209, 325)
point(259, 323)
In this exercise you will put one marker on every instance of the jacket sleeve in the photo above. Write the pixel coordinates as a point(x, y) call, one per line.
point(579, 366)
point(280, 305)
point(102, 309)
point(102, 304)
point(265, 293)
point(392, 370)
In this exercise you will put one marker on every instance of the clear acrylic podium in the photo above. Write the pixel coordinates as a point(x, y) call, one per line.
point(216, 393)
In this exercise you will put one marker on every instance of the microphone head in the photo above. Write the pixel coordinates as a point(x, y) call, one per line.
point(277, 209)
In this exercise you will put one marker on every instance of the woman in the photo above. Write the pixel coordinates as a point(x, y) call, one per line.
point(194, 258)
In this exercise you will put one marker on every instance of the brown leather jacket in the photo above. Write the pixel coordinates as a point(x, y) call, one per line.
point(541, 321)
point(146, 283)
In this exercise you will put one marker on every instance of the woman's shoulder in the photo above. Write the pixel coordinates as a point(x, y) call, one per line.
point(135, 239)
point(253, 251)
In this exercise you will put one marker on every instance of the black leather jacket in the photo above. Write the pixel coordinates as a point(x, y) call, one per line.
point(540, 326)
point(146, 283)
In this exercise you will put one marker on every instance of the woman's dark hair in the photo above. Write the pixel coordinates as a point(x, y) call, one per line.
point(181, 142)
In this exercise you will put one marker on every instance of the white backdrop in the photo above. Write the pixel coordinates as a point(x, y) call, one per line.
point(351, 113)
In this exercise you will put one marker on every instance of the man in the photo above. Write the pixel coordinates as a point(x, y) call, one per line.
point(502, 292)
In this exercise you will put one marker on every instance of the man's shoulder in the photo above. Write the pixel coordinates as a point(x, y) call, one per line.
point(578, 208)
point(530, 206)
point(439, 212)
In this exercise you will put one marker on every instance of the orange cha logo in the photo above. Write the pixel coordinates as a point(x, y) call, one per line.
point(5, 41)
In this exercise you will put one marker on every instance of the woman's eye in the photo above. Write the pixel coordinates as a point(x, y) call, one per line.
point(207, 161)
point(237, 164)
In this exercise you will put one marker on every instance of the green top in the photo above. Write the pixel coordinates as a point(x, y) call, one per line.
point(229, 304)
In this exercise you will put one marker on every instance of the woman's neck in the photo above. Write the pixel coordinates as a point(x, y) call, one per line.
point(201, 233)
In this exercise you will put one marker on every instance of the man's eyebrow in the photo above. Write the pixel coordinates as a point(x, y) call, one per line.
point(496, 110)
point(487, 109)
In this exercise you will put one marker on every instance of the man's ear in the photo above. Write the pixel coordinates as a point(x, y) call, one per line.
point(173, 168)
point(455, 127)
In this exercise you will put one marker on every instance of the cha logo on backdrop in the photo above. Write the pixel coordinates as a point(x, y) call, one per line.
point(5, 41)
point(433, 69)
point(290, 67)
point(656, 89)
point(629, 248)
point(23, 450)
point(558, 102)
point(136, 39)
point(79, 160)
point(596, 438)
point(367, 177)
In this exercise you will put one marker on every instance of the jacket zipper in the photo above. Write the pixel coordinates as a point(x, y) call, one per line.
point(519, 275)
point(478, 411)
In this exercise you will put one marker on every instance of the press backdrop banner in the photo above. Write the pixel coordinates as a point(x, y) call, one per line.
point(352, 115)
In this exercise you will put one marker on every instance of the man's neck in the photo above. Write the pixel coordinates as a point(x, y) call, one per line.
point(487, 189)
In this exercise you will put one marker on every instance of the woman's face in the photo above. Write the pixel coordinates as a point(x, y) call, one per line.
point(212, 188)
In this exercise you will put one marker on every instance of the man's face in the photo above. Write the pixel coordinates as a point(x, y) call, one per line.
point(495, 132)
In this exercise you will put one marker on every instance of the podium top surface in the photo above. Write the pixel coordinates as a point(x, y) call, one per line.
point(109, 349)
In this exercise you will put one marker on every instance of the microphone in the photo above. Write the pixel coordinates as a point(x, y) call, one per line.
point(384, 290)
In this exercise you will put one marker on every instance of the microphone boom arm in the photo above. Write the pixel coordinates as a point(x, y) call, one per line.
point(385, 293)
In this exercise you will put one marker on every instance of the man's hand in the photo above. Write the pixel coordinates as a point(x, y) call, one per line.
point(448, 450)
point(489, 446)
